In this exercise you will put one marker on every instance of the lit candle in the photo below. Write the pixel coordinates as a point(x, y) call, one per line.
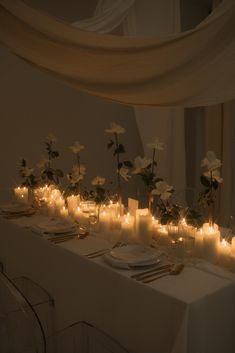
point(72, 202)
point(64, 212)
point(128, 224)
point(21, 194)
point(233, 246)
point(224, 250)
point(104, 222)
point(199, 242)
point(211, 238)
point(143, 226)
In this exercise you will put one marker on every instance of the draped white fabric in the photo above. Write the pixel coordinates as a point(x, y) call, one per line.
point(189, 69)
point(108, 16)
point(160, 18)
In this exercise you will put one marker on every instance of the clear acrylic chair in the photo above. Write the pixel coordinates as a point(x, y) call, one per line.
point(21, 330)
point(82, 337)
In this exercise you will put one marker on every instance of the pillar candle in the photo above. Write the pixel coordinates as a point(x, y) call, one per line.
point(143, 226)
point(211, 238)
point(224, 252)
point(199, 243)
point(127, 225)
point(72, 202)
point(21, 194)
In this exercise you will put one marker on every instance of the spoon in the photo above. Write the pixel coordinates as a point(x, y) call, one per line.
point(174, 270)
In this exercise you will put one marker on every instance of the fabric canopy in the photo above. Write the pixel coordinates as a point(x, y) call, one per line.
point(193, 68)
point(108, 15)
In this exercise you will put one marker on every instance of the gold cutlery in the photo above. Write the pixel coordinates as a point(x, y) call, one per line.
point(151, 271)
point(174, 270)
point(101, 252)
point(61, 238)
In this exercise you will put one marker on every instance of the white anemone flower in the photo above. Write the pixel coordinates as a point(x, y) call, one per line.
point(156, 144)
point(98, 181)
point(215, 175)
point(163, 190)
point(140, 164)
point(76, 147)
point(115, 129)
point(51, 138)
point(123, 171)
point(210, 161)
point(77, 174)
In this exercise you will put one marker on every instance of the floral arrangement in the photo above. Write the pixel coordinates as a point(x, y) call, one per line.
point(78, 171)
point(122, 167)
point(210, 180)
point(28, 178)
point(48, 173)
point(146, 169)
point(99, 194)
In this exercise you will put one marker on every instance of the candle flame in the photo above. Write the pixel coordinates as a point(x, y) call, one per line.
point(224, 243)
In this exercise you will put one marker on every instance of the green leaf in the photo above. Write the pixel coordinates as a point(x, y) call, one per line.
point(205, 181)
point(110, 144)
point(128, 164)
point(120, 164)
point(119, 149)
point(215, 184)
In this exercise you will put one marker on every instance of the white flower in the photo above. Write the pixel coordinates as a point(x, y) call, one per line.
point(215, 175)
point(123, 171)
point(156, 144)
point(77, 174)
point(210, 161)
point(115, 129)
point(27, 171)
point(98, 181)
point(163, 190)
point(76, 147)
point(140, 163)
point(43, 162)
point(51, 138)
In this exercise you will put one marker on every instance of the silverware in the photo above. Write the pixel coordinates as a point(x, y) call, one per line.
point(174, 270)
point(60, 238)
point(151, 271)
point(101, 252)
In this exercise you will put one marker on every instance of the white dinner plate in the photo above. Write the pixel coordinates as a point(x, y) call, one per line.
point(14, 208)
point(132, 256)
point(134, 253)
point(56, 226)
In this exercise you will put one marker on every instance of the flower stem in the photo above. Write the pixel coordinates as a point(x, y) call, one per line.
point(118, 161)
point(79, 169)
point(211, 206)
point(153, 160)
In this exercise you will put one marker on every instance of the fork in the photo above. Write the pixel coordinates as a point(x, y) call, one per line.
point(151, 272)
point(174, 270)
point(101, 252)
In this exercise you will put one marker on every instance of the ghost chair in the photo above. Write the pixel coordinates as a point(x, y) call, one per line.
point(82, 337)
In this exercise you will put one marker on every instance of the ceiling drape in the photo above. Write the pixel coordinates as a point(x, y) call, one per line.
point(193, 68)
point(107, 17)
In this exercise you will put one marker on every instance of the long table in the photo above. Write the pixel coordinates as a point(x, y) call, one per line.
point(193, 312)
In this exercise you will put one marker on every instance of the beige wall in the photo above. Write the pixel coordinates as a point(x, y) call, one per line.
point(33, 104)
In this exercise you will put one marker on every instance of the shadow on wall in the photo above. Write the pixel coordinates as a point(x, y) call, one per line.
point(33, 105)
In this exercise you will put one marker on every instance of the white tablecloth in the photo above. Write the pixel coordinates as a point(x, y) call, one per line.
point(190, 313)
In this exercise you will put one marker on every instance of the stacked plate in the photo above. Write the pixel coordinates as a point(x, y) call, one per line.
point(15, 210)
point(55, 227)
point(133, 256)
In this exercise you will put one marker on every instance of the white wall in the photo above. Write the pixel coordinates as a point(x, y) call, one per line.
point(33, 104)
